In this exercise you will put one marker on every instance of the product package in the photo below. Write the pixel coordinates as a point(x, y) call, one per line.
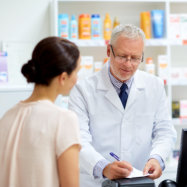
point(95, 26)
point(157, 19)
point(3, 68)
point(145, 23)
point(183, 109)
point(86, 68)
point(150, 66)
point(84, 26)
point(73, 28)
point(175, 109)
point(183, 26)
point(163, 71)
point(107, 27)
point(63, 25)
point(174, 25)
point(97, 66)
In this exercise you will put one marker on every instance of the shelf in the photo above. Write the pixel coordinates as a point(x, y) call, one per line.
point(179, 122)
point(90, 43)
point(150, 1)
point(149, 42)
point(179, 42)
point(15, 88)
point(102, 43)
point(180, 84)
point(156, 42)
point(178, 1)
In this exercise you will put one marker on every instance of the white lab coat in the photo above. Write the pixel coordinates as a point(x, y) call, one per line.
point(142, 129)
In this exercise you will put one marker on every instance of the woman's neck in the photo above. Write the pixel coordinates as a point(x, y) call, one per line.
point(42, 92)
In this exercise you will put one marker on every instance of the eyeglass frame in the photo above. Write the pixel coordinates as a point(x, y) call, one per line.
point(126, 59)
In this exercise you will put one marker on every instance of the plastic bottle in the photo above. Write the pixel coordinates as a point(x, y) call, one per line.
point(73, 28)
point(3, 67)
point(150, 66)
point(95, 26)
point(145, 24)
point(84, 26)
point(63, 25)
point(157, 17)
point(107, 27)
point(116, 22)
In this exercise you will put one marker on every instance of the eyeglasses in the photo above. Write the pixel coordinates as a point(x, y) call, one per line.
point(123, 59)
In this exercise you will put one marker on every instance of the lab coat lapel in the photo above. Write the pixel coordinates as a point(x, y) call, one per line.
point(104, 83)
point(113, 97)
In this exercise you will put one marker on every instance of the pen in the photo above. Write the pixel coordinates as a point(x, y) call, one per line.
point(115, 156)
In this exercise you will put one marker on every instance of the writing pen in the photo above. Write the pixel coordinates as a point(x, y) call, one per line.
point(114, 156)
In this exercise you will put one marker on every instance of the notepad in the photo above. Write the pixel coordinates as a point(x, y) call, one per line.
point(137, 173)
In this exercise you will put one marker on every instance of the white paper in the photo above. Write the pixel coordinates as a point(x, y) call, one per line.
point(136, 173)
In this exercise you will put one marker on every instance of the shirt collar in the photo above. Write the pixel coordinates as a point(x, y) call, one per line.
point(118, 83)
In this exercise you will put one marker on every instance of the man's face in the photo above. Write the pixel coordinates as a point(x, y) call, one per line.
point(125, 57)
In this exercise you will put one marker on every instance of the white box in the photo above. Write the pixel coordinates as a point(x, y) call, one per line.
point(98, 66)
point(174, 27)
point(163, 71)
point(183, 26)
point(176, 75)
point(150, 68)
point(184, 76)
point(183, 108)
point(86, 67)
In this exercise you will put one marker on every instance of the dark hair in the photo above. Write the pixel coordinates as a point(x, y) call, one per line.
point(51, 57)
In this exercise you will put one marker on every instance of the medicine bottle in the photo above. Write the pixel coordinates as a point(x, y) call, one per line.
point(116, 22)
point(73, 28)
point(84, 26)
point(63, 25)
point(95, 26)
point(145, 23)
point(107, 27)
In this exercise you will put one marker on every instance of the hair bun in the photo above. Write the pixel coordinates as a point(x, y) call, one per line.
point(29, 71)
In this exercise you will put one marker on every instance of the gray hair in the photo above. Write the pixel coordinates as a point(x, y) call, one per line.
point(128, 31)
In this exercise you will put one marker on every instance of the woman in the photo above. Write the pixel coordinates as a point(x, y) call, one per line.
point(39, 142)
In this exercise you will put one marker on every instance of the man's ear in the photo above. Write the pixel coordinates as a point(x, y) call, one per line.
point(62, 78)
point(108, 50)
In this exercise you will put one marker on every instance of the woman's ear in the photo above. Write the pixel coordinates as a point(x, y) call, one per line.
point(62, 78)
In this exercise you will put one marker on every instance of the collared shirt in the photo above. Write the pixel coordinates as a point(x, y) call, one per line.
point(117, 84)
point(98, 169)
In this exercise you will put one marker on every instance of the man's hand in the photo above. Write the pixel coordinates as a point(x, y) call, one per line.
point(153, 167)
point(117, 169)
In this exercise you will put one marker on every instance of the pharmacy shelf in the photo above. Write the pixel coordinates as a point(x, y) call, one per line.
point(180, 83)
point(11, 87)
point(128, 12)
point(179, 122)
point(177, 42)
point(156, 42)
point(149, 42)
point(102, 43)
point(90, 43)
point(131, 1)
point(178, 1)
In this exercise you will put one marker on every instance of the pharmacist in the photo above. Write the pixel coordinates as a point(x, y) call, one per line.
point(122, 110)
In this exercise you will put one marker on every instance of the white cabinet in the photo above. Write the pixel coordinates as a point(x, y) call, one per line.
point(128, 11)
